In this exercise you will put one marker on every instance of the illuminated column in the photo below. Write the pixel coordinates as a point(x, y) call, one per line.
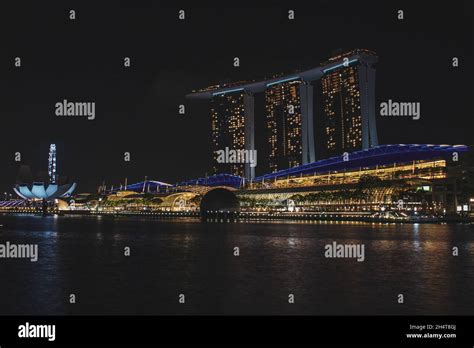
point(52, 164)
point(307, 129)
point(249, 115)
point(367, 106)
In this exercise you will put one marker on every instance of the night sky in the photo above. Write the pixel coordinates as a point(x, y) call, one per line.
point(137, 107)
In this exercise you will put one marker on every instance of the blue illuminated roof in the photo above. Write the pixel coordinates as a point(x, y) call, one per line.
point(379, 155)
point(145, 186)
point(215, 180)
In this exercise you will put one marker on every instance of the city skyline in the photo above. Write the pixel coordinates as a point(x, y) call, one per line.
point(149, 121)
point(180, 165)
point(334, 100)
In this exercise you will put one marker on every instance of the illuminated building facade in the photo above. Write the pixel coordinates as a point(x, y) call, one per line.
point(56, 187)
point(347, 118)
point(346, 121)
point(420, 177)
point(282, 104)
point(228, 130)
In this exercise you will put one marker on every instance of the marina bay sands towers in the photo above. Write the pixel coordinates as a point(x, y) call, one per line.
point(348, 104)
point(309, 115)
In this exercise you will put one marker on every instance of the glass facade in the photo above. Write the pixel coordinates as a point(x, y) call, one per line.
point(228, 130)
point(341, 117)
point(283, 120)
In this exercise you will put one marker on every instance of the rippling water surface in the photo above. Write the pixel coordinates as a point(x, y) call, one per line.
point(85, 256)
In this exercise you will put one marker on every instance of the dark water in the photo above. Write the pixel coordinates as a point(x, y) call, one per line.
point(85, 256)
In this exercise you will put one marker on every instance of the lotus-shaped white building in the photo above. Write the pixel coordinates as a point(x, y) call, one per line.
point(46, 187)
point(39, 190)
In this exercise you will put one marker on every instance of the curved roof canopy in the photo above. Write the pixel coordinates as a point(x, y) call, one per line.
point(378, 155)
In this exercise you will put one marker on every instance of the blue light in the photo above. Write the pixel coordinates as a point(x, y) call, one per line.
point(38, 191)
point(281, 81)
point(379, 155)
point(339, 65)
point(52, 163)
point(228, 91)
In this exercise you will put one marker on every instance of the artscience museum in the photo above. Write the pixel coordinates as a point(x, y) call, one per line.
point(46, 186)
point(39, 190)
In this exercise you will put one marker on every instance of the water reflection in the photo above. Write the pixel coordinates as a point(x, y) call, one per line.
point(276, 258)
